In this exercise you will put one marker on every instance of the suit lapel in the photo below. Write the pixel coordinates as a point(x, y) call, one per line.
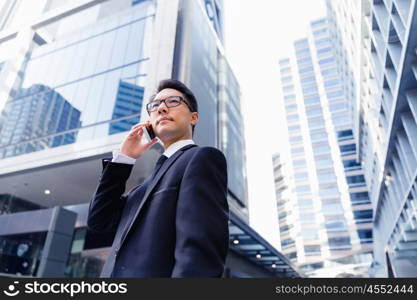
point(152, 185)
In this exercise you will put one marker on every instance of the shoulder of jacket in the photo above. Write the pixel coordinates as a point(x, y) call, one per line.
point(207, 151)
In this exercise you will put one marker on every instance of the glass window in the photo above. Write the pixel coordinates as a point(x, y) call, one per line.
point(320, 31)
point(288, 88)
point(291, 107)
point(135, 46)
point(284, 61)
point(297, 150)
point(301, 43)
point(342, 242)
point(285, 228)
point(292, 117)
point(106, 46)
point(329, 71)
point(311, 100)
point(359, 198)
point(322, 41)
point(316, 123)
point(301, 176)
point(336, 226)
point(355, 180)
point(344, 134)
point(289, 97)
point(293, 128)
point(119, 47)
point(319, 136)
point(286, 79)
point(306, 70)
point(308, 79)
point(304, 60)
point(299, 163)
point(296, 139)
point(318, 22)
point(311, 250)
point(285, 70)
point(312, 112)
point(324, 50)
point(363, 216)
point(347, 149)
point(326, 61)
point(284, 214)
point(333, 82)
point(329, 192)
point(327, 177)
point(302, 189)
point(90, 58)
point(310, 90)
point(307, 219)
point(340, 120)
point(351, 164)
point(302, 51)
point(324, 163)
point(310, 234)
point(332, 209)
point(321, 149)
point(333, 95)
point(338, 106)
point(365, 235)
point(305, 203)
point(287, 242)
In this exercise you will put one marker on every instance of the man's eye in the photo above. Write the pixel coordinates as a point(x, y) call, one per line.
point(173, 101)
point(155, 104)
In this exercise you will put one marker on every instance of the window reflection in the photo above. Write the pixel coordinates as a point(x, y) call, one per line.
point(92, 76)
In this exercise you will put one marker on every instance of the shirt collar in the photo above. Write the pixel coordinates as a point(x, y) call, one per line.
point(176, 146)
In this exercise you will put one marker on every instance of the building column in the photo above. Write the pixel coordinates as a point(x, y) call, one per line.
point(56, 250)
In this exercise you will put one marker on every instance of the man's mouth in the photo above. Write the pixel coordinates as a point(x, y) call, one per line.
point(164, 119)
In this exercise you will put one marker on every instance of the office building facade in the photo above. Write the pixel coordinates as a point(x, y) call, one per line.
point(381, 33)
point(74, 78)
point(327, 198)
point(387, 128)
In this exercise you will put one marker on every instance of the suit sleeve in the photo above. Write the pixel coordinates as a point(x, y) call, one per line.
point(202, 230)
point(108, 202)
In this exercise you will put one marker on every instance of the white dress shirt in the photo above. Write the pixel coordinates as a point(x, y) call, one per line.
point(124, 159)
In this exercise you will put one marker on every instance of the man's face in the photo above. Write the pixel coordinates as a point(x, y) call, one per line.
point(172, 122)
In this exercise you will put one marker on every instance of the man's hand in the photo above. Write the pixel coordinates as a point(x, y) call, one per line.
point(132, 146)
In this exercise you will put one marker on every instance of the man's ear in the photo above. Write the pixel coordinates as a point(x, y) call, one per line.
point(194, 118)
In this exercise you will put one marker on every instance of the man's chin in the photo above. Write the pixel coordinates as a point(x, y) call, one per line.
point(164, 133)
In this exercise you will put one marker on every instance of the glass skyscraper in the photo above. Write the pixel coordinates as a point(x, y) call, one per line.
point(384, 58)
point(380, 44)
point(325, 213)
point(74, 78)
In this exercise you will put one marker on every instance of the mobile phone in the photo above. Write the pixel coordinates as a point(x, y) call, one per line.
point(150, 134)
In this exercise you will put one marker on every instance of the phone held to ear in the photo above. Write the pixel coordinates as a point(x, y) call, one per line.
point(149, 133)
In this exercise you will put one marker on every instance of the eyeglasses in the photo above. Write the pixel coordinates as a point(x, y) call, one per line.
point(171, 101)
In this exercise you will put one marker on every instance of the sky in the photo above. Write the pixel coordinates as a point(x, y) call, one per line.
point(257, 35)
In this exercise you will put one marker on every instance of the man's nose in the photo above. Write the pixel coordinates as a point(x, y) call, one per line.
point(162, 108)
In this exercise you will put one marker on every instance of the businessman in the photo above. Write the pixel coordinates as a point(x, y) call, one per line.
point(174, 224)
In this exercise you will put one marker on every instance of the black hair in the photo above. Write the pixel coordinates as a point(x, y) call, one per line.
point(181, 87)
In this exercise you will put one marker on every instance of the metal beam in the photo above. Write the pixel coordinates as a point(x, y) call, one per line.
point(407, 246)
point(410, 236)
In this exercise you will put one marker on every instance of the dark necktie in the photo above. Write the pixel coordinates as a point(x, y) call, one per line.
point(158, 165)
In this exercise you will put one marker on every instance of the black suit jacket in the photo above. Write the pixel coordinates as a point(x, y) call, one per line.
point(175, 225)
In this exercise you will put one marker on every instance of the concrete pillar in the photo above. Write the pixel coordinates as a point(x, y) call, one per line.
point(58, 242)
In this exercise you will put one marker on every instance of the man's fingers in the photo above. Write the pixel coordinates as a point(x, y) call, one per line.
point(140, 125)
point(138, 131)
point(151, 143)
